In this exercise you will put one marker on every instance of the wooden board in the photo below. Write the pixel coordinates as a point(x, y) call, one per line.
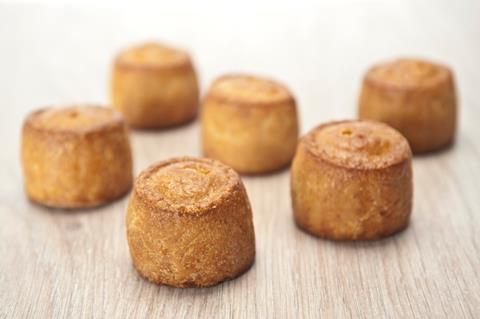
point(76, 264)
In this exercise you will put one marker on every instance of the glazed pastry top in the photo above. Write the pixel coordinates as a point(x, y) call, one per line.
point(358, 144)
point(249, 89)
point(74, 118)
point(187, 185)
point(408, 72)
point(154, 55)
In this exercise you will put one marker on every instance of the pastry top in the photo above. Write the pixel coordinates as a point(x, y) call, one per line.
point(186, 185)
point(74, 119)
point(249, 90)
point(408, 73)
point(153, 55)
point(355, 144)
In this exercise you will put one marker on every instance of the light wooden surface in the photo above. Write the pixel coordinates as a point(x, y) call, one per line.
point(57, 263)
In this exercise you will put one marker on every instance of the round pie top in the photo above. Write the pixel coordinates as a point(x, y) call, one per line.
point(358, 144)
point(77, 118)
point(186, 184)
point(408, 73)
point(154, 55)
point(249, 89)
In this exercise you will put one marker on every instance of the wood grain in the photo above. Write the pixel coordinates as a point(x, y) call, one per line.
point(75, 264)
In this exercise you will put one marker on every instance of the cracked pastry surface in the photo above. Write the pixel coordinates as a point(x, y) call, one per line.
point(417, 97)
point(249, 123)
point(154, 86)
point(352, 180)
point(75, 156)
point(360, 144)
point(189, 223)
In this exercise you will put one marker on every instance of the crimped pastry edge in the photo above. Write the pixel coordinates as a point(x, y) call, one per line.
point(305, 141)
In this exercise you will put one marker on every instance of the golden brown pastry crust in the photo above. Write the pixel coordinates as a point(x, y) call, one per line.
point(76, 156)
point(249, 123)
point(352, 180)
point(154, 86)
point(189, 223)
point(416, 97)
